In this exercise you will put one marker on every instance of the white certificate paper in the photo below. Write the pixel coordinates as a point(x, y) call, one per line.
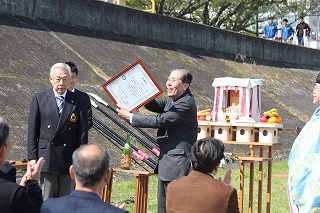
point(133, 87)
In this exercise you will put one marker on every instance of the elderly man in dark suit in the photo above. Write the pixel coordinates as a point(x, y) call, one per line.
point(90, 169)
point(57, 126)
point(177, 129)
point(86, 103)
point(200, 191)
point(25, 197)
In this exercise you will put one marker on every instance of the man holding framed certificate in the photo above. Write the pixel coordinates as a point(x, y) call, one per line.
point(177, 129)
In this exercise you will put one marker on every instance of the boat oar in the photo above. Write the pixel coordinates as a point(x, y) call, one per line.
point(114, 120)
point(144, 133)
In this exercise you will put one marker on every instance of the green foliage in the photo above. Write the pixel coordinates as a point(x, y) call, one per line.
point(236, 15)
point(139, 4)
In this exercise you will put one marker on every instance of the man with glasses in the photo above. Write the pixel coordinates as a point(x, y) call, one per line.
point(176, 120)
point(57, 126)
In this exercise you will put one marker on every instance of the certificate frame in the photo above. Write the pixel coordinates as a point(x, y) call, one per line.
point(145, 89)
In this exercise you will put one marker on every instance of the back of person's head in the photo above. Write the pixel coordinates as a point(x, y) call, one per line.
point(206, 154)
point(73, 67)
point(90, 164)
point(4, 131)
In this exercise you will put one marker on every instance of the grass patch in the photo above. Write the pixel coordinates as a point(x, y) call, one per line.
point(123, 191)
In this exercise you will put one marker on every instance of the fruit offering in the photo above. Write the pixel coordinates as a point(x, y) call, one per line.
point(271, 116)
point(204, 115)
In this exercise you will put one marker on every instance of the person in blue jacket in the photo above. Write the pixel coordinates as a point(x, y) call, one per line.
point(270, 30)
point(287, 32)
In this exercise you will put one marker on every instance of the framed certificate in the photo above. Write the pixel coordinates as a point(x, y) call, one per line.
point(133, 87)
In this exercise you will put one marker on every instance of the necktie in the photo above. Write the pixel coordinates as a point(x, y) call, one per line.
point(60, 103)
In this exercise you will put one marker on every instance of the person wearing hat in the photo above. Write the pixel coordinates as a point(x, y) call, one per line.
point(270, 30)
point(287, 32)
point(302, 29)
point(304, 161)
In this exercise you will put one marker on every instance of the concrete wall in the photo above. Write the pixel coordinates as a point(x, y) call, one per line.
point(112, 18)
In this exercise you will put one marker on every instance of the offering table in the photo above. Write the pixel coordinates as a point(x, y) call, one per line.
point(255, 136)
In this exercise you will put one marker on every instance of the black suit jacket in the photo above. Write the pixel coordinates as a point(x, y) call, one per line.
point(52, 136)
point(80, 202)
point(177, 131)
point(10, 171)
point(86, 105)
point(16, 199)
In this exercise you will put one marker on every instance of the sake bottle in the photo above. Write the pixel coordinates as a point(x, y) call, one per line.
point(126, 154)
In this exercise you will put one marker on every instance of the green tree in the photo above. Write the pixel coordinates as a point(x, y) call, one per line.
point(236, 15)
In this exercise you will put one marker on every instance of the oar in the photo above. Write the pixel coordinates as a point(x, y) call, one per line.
point(114, 120)
point(116, 144)
point(144, 133)
point(109, 136)
point(110, 131)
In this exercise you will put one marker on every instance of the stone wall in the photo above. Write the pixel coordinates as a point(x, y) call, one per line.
point(125, 21)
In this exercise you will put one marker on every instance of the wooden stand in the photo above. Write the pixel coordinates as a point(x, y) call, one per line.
point(19, 164)
point(245, 136)
point(141, 192)
point(250, 160)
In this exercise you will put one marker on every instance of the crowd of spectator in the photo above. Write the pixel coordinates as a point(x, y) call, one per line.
point(299, 36)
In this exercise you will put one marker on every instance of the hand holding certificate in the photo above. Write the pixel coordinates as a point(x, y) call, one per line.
point(133, 87)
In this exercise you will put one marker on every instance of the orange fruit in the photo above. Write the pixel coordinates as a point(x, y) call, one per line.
point(279, 119)
point(272, 120)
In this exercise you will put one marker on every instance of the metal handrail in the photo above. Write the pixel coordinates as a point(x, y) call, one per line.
point(153, 7)
point(152, 10)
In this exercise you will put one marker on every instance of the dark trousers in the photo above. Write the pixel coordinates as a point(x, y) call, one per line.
point(300, 41)
point(162, 190)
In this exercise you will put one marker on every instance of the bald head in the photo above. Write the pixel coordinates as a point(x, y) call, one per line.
point(90, 163)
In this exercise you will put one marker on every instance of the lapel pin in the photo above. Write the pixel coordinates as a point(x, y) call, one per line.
point(73, 118)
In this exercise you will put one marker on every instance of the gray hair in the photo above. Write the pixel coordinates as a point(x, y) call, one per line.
point(186, 76)
point(60, 66)
point(89, 171)
point(4, 131)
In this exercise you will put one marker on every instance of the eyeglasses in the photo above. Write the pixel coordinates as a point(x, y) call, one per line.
point(172, 79)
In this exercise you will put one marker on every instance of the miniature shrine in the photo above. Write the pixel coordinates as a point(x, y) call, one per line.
point(235, 119)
